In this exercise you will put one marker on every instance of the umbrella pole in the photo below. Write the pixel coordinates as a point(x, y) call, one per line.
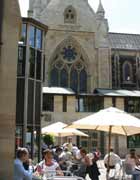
point(60, 140)
point(109, 146)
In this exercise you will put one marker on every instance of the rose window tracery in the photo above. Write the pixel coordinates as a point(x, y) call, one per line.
point(70, 68)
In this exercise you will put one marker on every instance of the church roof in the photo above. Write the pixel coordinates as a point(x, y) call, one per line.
point(124, 41)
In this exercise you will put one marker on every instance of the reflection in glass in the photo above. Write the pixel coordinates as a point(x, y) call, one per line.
point(18, 137)
point(23, 34)
point(38, 39)
point(32, 36)
point(21, 61)
point(32, 63)
point(38, 66)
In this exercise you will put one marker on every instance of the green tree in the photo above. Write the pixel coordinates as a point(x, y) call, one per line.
point(48, 139)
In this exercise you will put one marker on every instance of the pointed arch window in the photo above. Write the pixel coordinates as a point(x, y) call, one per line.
point(83, 81)
point(127, 72)
point(74, 80)
point(54, 77)
point(64, 78)
point(66, 72)
point(70, 15)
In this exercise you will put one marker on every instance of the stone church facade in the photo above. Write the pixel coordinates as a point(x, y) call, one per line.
point(81, 54)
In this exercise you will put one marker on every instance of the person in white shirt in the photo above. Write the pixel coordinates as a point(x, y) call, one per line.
point(111, 160)
point(19, 172)
point(48, 167)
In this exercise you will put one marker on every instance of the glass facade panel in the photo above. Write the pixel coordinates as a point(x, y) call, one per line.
point(36, 144)
point(18, 135)
point(89, 104)
point(83, 81)
point(24, 34)
point(38, 103)
point(74, 80)
point(133, 141)
point(21, 61)
point(32, 63)
point(38, 65)
point(38, 39)
point(132, 105)
point(32, 36)
point(30, 101)
point(20, 101)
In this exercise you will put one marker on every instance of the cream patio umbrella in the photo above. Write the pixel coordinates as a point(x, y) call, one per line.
point(111, 120)
point(57, 129)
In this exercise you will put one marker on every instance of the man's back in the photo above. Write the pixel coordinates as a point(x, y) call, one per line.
point(113, 159)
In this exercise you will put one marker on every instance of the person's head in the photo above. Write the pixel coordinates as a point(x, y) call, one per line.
point(48, 155)
point(58, 150)
point(22, 154)
point(83, 152)
point(111, 150)
point(70, 139)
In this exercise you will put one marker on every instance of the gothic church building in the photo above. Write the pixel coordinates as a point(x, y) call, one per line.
point(86, 66)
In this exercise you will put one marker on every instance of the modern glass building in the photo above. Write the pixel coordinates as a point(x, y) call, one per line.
point(29, 85)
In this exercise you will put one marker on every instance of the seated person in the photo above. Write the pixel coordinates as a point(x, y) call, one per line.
point(111, 160)
point(48, 167)
point(84, 164)
point(132, 164)
point(19, 171)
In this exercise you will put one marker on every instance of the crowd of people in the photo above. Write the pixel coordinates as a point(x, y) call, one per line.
point(70, 160)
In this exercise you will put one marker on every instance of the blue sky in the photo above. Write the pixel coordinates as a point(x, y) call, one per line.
point(123, 15)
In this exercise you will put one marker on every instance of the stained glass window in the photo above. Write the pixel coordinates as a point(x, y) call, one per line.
point(54, 77)
point(64, 78)
point(69, 53)
point(68, 69)
point(83, 81)
point(74, 80)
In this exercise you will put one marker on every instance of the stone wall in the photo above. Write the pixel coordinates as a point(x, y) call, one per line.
point(8, 68)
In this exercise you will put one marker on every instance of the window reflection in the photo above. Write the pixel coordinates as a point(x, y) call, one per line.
point(38, 39)
point(32, 63)
point(89, 104)
point(23, 34)
point(32, 36)
point(132, 105)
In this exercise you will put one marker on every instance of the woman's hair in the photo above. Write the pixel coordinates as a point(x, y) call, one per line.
point(21, 152)
point(47, 151)
point(83, 151)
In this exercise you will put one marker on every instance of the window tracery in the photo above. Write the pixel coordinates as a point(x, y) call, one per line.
point(69, 68)
point(70, 15)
